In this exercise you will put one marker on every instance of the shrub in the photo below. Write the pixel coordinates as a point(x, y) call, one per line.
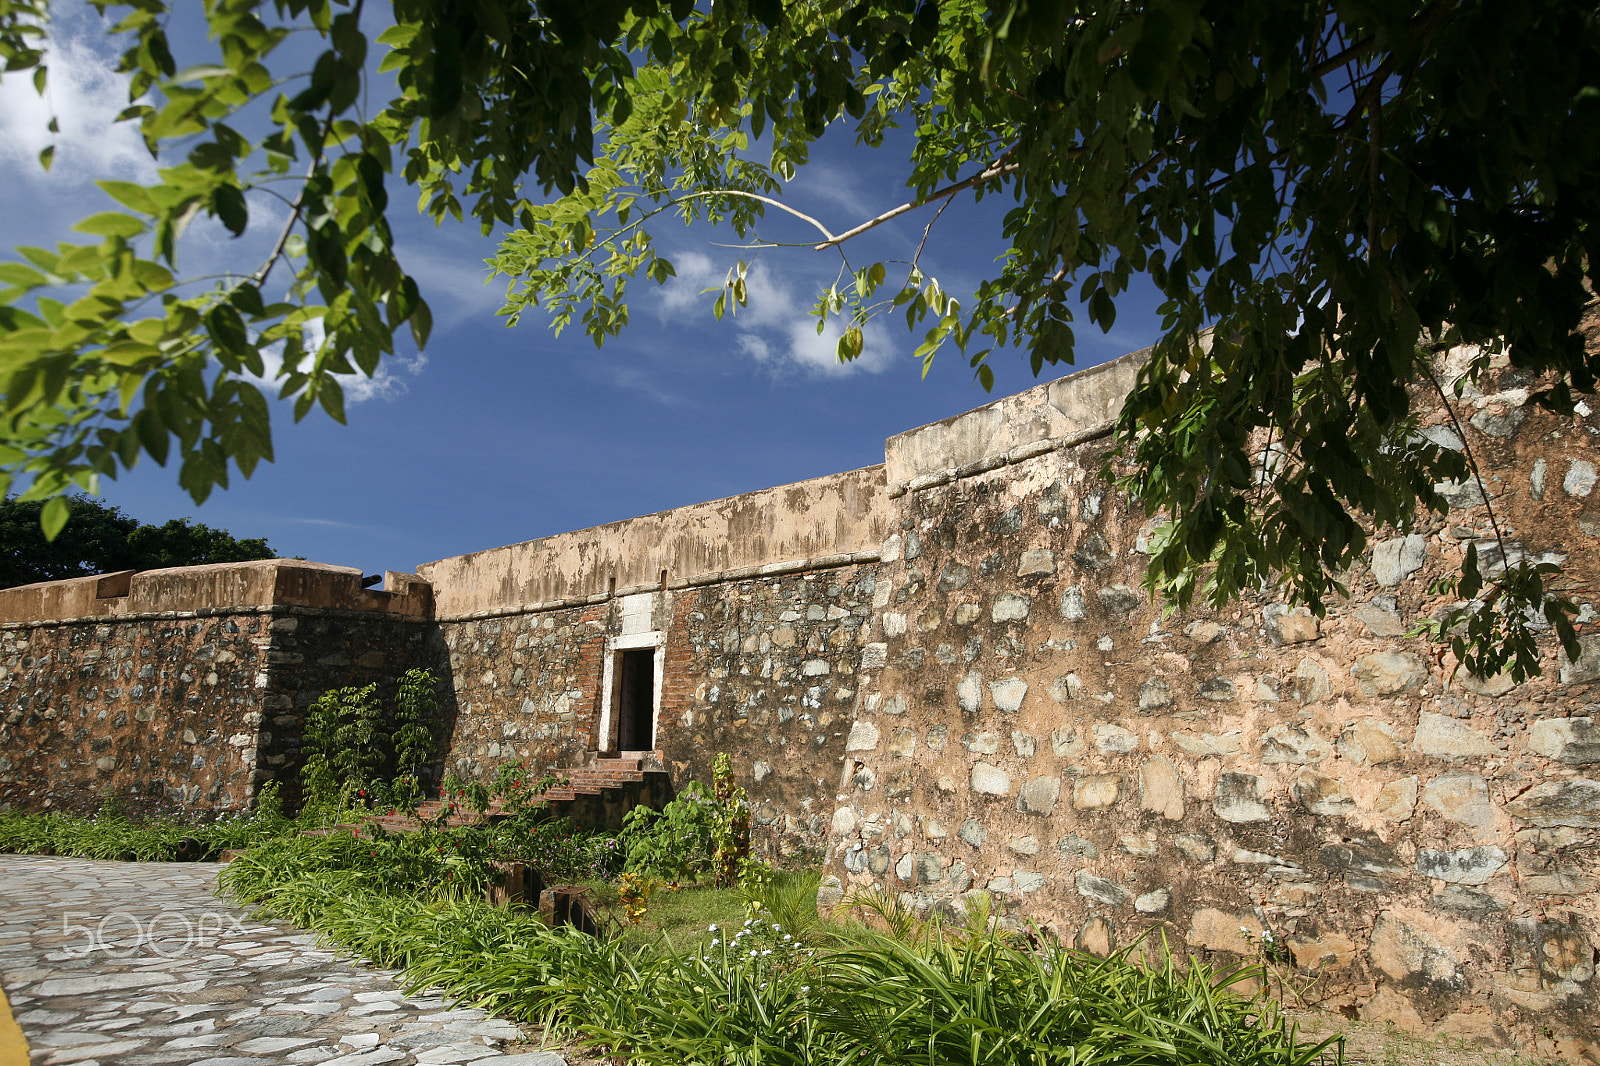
point(675, 842)
point(356, 754)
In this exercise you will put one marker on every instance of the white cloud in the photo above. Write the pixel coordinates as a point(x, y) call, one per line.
point(454, 288)
point(775, 327)
point(390, 380)
point(84, 94)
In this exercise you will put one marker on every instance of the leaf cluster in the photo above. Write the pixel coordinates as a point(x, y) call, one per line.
point(357, 753)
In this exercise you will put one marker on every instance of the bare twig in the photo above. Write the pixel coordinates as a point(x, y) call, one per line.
point(995, 170)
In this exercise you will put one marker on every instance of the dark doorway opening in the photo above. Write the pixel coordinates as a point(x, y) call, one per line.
point(636, 699)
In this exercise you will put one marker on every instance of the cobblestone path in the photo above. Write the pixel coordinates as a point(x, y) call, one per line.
point(140, 964)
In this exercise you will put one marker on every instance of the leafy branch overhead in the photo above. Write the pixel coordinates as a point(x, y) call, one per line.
point(109, 353)
point(1324, 195)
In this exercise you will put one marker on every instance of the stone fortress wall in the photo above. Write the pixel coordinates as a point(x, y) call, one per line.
point(940, 677)
point(186, 686)
point(1031, 728)
point(754, 609)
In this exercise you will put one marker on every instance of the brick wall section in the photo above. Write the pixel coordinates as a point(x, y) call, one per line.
point(1038, 733)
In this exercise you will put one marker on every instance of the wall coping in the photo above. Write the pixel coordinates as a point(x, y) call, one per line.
point(1038, 418)
point(743, 573)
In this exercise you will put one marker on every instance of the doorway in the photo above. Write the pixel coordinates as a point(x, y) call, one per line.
point(636, 699)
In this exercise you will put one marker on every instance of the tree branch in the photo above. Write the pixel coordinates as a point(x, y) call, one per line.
point(995, 170)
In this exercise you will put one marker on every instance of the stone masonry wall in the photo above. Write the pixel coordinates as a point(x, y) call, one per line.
point(187, 687)
point(765, 670)
point(152, 710)
point(762, 668)
point(527, 686)
point(312, 651)
point(193, 711)
point(1029, 727)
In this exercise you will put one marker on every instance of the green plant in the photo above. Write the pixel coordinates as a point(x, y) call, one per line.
point(755, 879)
point(789, 898)
point(675, 842)
point(416, 723)
point(633, 892)
point(355, 754)
point(113, 834)
point(730, 826)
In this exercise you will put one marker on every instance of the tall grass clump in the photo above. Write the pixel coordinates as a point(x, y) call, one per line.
point(162, 836)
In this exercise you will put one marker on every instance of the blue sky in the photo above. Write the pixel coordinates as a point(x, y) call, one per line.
point(495, 436)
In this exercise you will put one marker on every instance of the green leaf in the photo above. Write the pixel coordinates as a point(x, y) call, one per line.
point(129, 194)
point(47, 155)
point(850, 344)
point(21, 274)
point(53, 517)
point(227, 203)
point(421, 323)
point(111, 224)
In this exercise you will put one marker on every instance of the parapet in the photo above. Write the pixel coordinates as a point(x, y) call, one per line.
point(823, 518)
point(211, 589)
point(1014, 427)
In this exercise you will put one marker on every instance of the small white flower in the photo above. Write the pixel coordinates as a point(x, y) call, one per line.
point(754, 953)
point(767, 952)
point(712, 928)
point(786, 936)
point(776, 928)
point(805, 988)
point(715, 941)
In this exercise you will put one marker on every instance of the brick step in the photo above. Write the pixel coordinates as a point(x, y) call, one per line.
point(605, 777)
point(617, 764)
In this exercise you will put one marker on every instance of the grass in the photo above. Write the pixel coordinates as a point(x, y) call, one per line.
point(769, 992)
point(113, 836)
point(701, 981)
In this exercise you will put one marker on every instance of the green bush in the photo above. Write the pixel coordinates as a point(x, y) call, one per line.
point(359, 755)
point(674, 842)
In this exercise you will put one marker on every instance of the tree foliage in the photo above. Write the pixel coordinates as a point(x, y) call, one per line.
point(99, 539)
point(1322, 192)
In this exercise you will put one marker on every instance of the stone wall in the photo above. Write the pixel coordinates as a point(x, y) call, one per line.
point(940, 674)
point(186, 687)
point(766, 669)
point(1033, 729)
point(752, 607)
point(762, 668)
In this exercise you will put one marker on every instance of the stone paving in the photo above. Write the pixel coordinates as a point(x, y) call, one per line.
point(142, 964)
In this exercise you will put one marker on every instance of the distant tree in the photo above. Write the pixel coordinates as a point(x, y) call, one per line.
point(94, 541)
point(99, 539)
point(182, 543)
